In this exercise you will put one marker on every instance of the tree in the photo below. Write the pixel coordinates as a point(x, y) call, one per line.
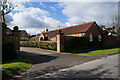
point(115, 26)
point(6, 7)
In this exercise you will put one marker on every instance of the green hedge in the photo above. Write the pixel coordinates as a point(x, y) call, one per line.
point(40, 44)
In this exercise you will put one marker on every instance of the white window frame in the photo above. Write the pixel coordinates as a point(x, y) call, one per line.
point(99, 38)
point(91, 37)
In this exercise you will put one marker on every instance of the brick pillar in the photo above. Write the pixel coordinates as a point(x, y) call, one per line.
point(4, 27)
point(16, 38)
point(60, 42)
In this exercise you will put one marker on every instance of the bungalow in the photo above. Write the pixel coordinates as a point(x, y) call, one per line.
point(91, 29)
point(23, 35)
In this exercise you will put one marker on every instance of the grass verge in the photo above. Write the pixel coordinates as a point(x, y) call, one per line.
point(95, 52)
point(10, 68)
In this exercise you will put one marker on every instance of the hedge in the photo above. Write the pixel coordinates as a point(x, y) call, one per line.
point(39, 44)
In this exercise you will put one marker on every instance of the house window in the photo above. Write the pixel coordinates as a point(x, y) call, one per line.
point(91, 38)
point(99, 38)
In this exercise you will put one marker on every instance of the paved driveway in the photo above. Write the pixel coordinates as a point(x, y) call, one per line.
point(106, 67)
point(49, 61)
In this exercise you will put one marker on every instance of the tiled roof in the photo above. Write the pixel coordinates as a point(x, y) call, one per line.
point(71, 30)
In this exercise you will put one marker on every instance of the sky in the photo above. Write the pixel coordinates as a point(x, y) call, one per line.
point(35, 17)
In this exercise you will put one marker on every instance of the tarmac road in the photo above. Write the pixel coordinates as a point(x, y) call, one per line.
point(45, 61)
point(106, 67)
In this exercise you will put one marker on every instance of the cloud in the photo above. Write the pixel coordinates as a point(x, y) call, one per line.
point(27, 20)
point(52, 22)
point(34, 30)
point(80, 12)
point(31, 10)
point(34, 20)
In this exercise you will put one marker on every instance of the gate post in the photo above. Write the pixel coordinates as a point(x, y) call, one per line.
point(60, 41)
point(16, 38)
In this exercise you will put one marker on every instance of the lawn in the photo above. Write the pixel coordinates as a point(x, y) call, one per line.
point(10, 68)
point(95, 52)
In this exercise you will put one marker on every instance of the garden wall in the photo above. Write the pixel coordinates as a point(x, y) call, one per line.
point(111, 41)
point(71, 43)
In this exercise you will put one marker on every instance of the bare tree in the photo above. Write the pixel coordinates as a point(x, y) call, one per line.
point(6, 7)
point(115, 22)
point(115, 26)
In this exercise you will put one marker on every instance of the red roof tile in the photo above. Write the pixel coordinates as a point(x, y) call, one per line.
point(71, 30)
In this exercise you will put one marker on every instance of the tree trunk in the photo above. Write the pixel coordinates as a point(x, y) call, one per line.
point(2, 17)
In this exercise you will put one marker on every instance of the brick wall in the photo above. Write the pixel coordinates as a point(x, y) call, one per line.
point(94, 30)
point(13, 38)
point(111, 41)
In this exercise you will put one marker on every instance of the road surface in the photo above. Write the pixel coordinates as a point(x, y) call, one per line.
point(49, 64)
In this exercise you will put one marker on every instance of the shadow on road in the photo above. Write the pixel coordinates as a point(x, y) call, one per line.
point(36, 58)
point(92, 74)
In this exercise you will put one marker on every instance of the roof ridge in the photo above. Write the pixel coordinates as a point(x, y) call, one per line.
point(72, 26)
point(78, 25)
point(90, 26)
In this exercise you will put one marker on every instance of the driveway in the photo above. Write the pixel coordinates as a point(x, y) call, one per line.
point(106, 67)
point(45, 61)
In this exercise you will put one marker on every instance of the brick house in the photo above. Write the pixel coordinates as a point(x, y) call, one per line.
point(23, 35)
point(87, 29)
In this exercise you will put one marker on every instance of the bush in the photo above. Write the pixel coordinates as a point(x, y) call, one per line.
point(27, 40)
point(40, 44)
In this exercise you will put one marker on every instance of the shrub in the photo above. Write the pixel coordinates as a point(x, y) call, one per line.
point(27, 40)
point(40, 44)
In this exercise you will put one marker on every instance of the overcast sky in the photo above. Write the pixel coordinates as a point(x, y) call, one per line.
point(36, 16)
